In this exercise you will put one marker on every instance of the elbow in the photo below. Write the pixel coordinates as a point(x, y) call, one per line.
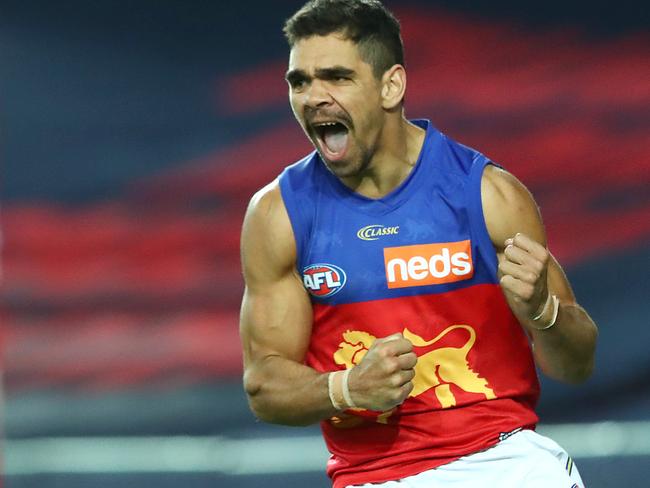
point(573, 371)
point(585, 368)
point(252, 383)
point(579, 374)
point(265, 405)
point(253, 389)
point(259, 400)
point(576, 366)
point(572, 375)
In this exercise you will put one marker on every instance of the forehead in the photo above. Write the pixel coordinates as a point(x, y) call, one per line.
point(324, 51)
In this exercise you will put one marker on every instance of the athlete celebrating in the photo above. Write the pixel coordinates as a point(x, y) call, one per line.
point(398, 285)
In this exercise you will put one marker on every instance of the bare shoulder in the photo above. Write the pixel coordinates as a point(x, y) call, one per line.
point(276, 311)
point(267, 243)
point(509, 208)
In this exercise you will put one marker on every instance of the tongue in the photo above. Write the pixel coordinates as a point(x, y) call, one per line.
point(335, 140)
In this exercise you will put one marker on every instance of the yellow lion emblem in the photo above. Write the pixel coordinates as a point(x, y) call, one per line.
point(437, 369)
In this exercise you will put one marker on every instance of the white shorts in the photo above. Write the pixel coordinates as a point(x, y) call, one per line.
point(526, 459)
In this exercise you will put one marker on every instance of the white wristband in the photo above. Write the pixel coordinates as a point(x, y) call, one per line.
point(330, 391)
point(546, 305)
point(346, 390)
point(556, 309)
point(339, 391)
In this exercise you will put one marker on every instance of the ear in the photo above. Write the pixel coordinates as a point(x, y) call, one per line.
point(393, 86)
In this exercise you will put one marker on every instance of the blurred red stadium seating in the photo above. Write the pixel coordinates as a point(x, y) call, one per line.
point(146, 288)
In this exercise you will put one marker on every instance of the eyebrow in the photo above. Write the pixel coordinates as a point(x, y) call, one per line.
point(322, 73)
point(295, 75)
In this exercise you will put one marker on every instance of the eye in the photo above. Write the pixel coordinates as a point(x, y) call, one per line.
point(298, 84)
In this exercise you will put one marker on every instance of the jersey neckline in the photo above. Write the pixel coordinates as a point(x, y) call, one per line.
point(396, 197)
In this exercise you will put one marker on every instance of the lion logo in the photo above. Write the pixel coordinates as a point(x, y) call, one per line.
point(437, 369)
point(354, 347)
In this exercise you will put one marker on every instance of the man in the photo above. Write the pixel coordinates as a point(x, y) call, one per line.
point(398, 285)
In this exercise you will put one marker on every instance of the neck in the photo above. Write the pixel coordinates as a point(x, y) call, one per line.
point(399, 146)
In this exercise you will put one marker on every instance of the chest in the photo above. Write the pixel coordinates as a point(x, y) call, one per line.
point(354, 254)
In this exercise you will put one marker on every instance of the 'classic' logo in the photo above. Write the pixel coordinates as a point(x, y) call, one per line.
point(375, 231)
point(323, 280)
point(428, 264)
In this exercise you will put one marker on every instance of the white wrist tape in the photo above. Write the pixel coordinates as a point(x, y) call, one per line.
point(346, 390)
point(556, 309)
point(331, 391)
point(547, 303)
point(339, 391)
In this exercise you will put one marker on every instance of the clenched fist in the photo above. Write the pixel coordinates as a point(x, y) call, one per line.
point(383, 378)
point(523, 270)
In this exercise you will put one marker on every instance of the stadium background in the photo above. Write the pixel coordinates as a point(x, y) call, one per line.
point(133, 134)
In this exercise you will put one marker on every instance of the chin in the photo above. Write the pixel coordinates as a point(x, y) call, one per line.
point(342, 169)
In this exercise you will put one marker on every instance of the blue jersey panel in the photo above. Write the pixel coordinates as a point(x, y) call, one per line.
point(352, 248)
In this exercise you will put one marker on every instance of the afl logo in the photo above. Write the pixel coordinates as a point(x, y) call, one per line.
point(323, 280)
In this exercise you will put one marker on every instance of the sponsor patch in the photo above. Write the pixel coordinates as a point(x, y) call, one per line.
point(428, 264)
point(375, 231)
point(323, 280)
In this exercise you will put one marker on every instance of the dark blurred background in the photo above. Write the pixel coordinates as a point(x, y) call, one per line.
point(133, 134)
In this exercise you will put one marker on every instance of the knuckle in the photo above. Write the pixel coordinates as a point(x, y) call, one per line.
point(545, 256)
point(414, 360)
point(527, 291)
point(384, 351)
point(396, 396)
point(398, 344)
point(506, 281)
point(391, 365)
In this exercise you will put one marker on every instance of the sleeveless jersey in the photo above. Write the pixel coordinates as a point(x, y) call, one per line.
point(418, 261)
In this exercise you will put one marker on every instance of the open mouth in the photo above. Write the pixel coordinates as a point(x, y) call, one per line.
point(333, 138)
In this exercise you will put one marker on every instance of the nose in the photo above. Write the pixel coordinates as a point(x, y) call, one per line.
point(317, 95)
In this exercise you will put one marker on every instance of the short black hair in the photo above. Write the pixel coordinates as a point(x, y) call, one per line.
point(367, 23)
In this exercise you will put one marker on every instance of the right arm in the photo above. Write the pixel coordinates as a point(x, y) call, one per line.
point(276, 318)
point(275, 328)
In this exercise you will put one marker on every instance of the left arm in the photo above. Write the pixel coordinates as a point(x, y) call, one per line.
point(529, 276)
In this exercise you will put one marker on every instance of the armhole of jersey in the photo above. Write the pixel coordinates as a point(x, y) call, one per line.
point(295, 217)
point(477, 219)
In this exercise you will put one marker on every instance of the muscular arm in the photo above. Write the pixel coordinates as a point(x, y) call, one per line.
point(276, 319)
point(275, 328)
point(528, 273)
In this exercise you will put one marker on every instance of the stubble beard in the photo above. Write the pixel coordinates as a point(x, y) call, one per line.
point(349, 168)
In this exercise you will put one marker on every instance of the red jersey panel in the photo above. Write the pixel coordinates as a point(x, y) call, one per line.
point(475, 380)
